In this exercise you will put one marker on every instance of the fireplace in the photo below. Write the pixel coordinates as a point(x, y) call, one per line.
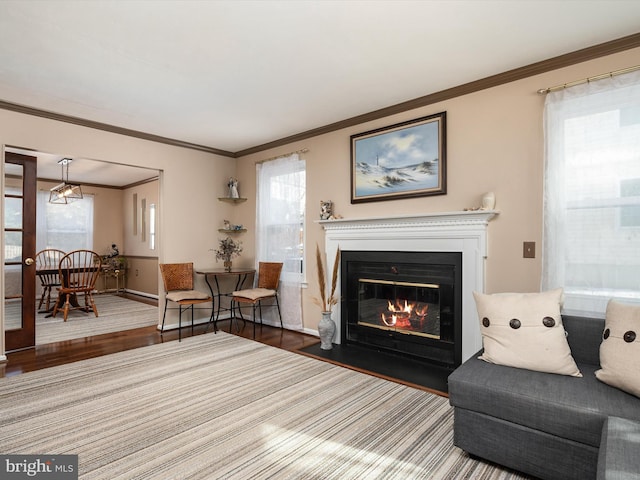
point(407, 303)
point(463, 233)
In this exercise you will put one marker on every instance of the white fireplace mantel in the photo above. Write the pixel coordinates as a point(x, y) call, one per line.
point(464, 231)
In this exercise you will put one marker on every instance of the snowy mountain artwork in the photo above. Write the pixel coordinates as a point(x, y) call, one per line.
point(399, 161)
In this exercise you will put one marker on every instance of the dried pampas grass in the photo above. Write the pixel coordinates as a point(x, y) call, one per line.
point(326, 303)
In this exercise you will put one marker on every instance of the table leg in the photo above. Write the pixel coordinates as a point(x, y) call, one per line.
point(213, 305)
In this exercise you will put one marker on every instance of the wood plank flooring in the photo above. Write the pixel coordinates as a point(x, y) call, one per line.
point(59, 353)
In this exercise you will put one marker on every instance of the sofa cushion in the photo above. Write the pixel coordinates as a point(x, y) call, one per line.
point(570, 407)
point(620, 348)
point(525, 330)
point(585, 336)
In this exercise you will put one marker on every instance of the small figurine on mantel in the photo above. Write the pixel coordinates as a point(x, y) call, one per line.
point(326, 210)
point(233, 188)
point(487, 202)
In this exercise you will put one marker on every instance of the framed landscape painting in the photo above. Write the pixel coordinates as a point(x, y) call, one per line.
point(400, 161)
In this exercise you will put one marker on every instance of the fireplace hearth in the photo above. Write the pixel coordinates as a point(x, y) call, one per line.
point(404, 303)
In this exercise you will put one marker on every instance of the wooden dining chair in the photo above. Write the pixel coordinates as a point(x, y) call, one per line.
point(47, 262)
point(79, 271)
point(267, 288)
point(178, 288)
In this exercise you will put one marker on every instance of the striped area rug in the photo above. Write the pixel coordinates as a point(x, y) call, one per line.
point(115, 314)
point(217, 406)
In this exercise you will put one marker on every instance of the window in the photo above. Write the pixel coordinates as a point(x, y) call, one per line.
point(592, 193)
point(65, 227)
point(280, 228)
point(630, 191)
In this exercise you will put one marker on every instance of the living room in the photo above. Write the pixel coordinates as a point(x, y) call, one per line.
point(495, 143)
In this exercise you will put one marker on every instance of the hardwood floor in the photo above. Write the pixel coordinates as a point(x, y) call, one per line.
point(59, 353)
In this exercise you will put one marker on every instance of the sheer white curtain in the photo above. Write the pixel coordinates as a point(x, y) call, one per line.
point(592, 193)
point(280, 231)
point(66, 227)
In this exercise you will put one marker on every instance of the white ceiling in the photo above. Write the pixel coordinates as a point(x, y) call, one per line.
point(232, 75)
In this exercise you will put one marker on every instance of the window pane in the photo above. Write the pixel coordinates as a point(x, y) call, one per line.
point(13, 212)
point(66, 227)
point(13, 247)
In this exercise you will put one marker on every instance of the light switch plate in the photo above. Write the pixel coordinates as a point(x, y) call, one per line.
point(529, 250)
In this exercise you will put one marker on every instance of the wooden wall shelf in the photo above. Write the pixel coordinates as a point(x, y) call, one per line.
point(232, 200)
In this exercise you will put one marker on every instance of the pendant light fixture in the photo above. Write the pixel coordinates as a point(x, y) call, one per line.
point(65, 192)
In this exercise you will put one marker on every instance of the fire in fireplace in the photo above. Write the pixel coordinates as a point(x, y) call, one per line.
point(404, 302)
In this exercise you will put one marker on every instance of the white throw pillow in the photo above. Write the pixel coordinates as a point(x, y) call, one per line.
point(524, 330)
point(620, 348)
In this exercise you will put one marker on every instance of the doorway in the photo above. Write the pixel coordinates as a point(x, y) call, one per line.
point(111, 187)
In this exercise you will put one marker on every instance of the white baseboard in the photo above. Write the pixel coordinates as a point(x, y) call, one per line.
point(310, 331)
point(141, 294)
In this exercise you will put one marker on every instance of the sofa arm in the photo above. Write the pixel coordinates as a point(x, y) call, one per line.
point(618, 457)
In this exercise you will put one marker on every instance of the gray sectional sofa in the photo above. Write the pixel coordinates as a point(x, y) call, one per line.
point(546, 425)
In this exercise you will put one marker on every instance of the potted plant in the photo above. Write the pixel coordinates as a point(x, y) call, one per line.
point(326, 326)
point(227, 249)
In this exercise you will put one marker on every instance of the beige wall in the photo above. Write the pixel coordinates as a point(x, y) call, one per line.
point(494, 143)
point(142, 261)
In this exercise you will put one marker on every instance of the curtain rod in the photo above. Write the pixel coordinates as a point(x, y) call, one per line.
point(302, 150)
point(544, 91)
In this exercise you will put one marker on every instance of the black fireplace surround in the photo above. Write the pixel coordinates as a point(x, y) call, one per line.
point(406, 303)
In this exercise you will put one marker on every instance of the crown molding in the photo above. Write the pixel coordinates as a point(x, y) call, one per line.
point(14, 107)
point(579, 56)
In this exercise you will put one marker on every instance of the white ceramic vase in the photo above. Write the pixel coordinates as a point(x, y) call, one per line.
point(489, 201)
point(326, 331)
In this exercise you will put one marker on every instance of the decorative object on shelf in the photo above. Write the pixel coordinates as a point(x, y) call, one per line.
point(228, 249)
point(488, 201)
point(326, 209)
point(233, 188)
point(404, 160)
point(326, 326)
point(65, 192)
point(231, 228)
point(114, 251)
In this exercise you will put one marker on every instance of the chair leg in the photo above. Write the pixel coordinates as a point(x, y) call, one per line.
point(45, 290)
point(66, 307)
point(164, 316)
point(244, 322)
point(279, 314)
point(55, 308)
point(93, 304)
point(254, 320)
